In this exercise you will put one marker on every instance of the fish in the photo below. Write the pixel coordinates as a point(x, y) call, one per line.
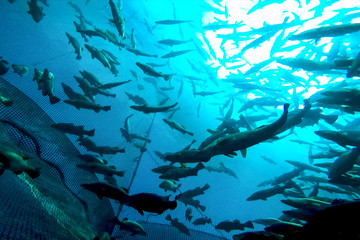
point(343, 139)
point(206, 93)
point(163, 169)
point(172, 42)
point(228, 226)
point(76, 8)
point(99, 55)
point(151, 202)
point(104, 235)
point(195, 203)
point(177, 173)
point(152, 72)
point(136, 99)
point(92, 158)
point(321, 224)
point(305, 64)
point(75, 44)
point(47, 84)
point(7, 102)
point(152, 109)
point(172, 22)
point(91, 78)
point(35, 11)
point(108, 150)
point(327, 31)
point(4, 66)
point(71, 128)
point(16, 163)
point(21, 70)
point(202, 221)
point(176, 53)
point(266, 193)
point(304, 166)
point(133, 227)
point(71, 94)
point(169, 185)
point(81, 103)
point(100, 168)
point(140, 53)
point(92, 33)
point(107, 190)
point(194, 192)
point(88, 89)
point(344, 163)
point(113, 84)
point(118, 19)
point(177, 126)
point(222, 169)
point(284, 228)
point(177, 224)
point(240, 141)
point(188, 214)
point(283, 178)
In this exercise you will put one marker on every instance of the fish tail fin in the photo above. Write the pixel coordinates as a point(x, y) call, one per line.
point(167, 77)
point(177, 197)
point(33, 173)
point(120, 173)
point(200, 166)
point(8, 103)
point(54, 99)
point(190, 133)
point(116, 221)
point(91, 133)
point(106, 108)
point(202, 208)
point(78, 56)
point(249, 224)
point(168, 217)
point(330, 119)
point(205, 187)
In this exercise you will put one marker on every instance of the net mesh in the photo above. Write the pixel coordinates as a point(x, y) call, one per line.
point(54, 205)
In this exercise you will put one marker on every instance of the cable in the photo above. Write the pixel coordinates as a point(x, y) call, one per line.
point(147, 134)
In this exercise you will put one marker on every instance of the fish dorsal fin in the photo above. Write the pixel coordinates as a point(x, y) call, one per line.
point(237, 221)
point(125, 219)
point(243, 152)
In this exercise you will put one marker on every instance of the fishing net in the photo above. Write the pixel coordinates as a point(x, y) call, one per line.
point(52, 205)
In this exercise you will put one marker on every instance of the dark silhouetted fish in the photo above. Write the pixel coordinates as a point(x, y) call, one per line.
point(172, 22)
point(228, 226)
point(152, 72)
point(133, 227)
point(152, 109)
point(35, 11)
point(17, 164)
point(107, 190)
point(150, 202)
point(118, 19)
point(73, 129)
point(177, 53)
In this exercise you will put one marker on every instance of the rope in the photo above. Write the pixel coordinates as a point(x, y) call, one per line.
point(147, 134)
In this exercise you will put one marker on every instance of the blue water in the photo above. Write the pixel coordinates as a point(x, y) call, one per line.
point(45, 45)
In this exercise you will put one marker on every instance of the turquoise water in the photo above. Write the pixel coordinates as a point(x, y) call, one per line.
point(209, 66)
